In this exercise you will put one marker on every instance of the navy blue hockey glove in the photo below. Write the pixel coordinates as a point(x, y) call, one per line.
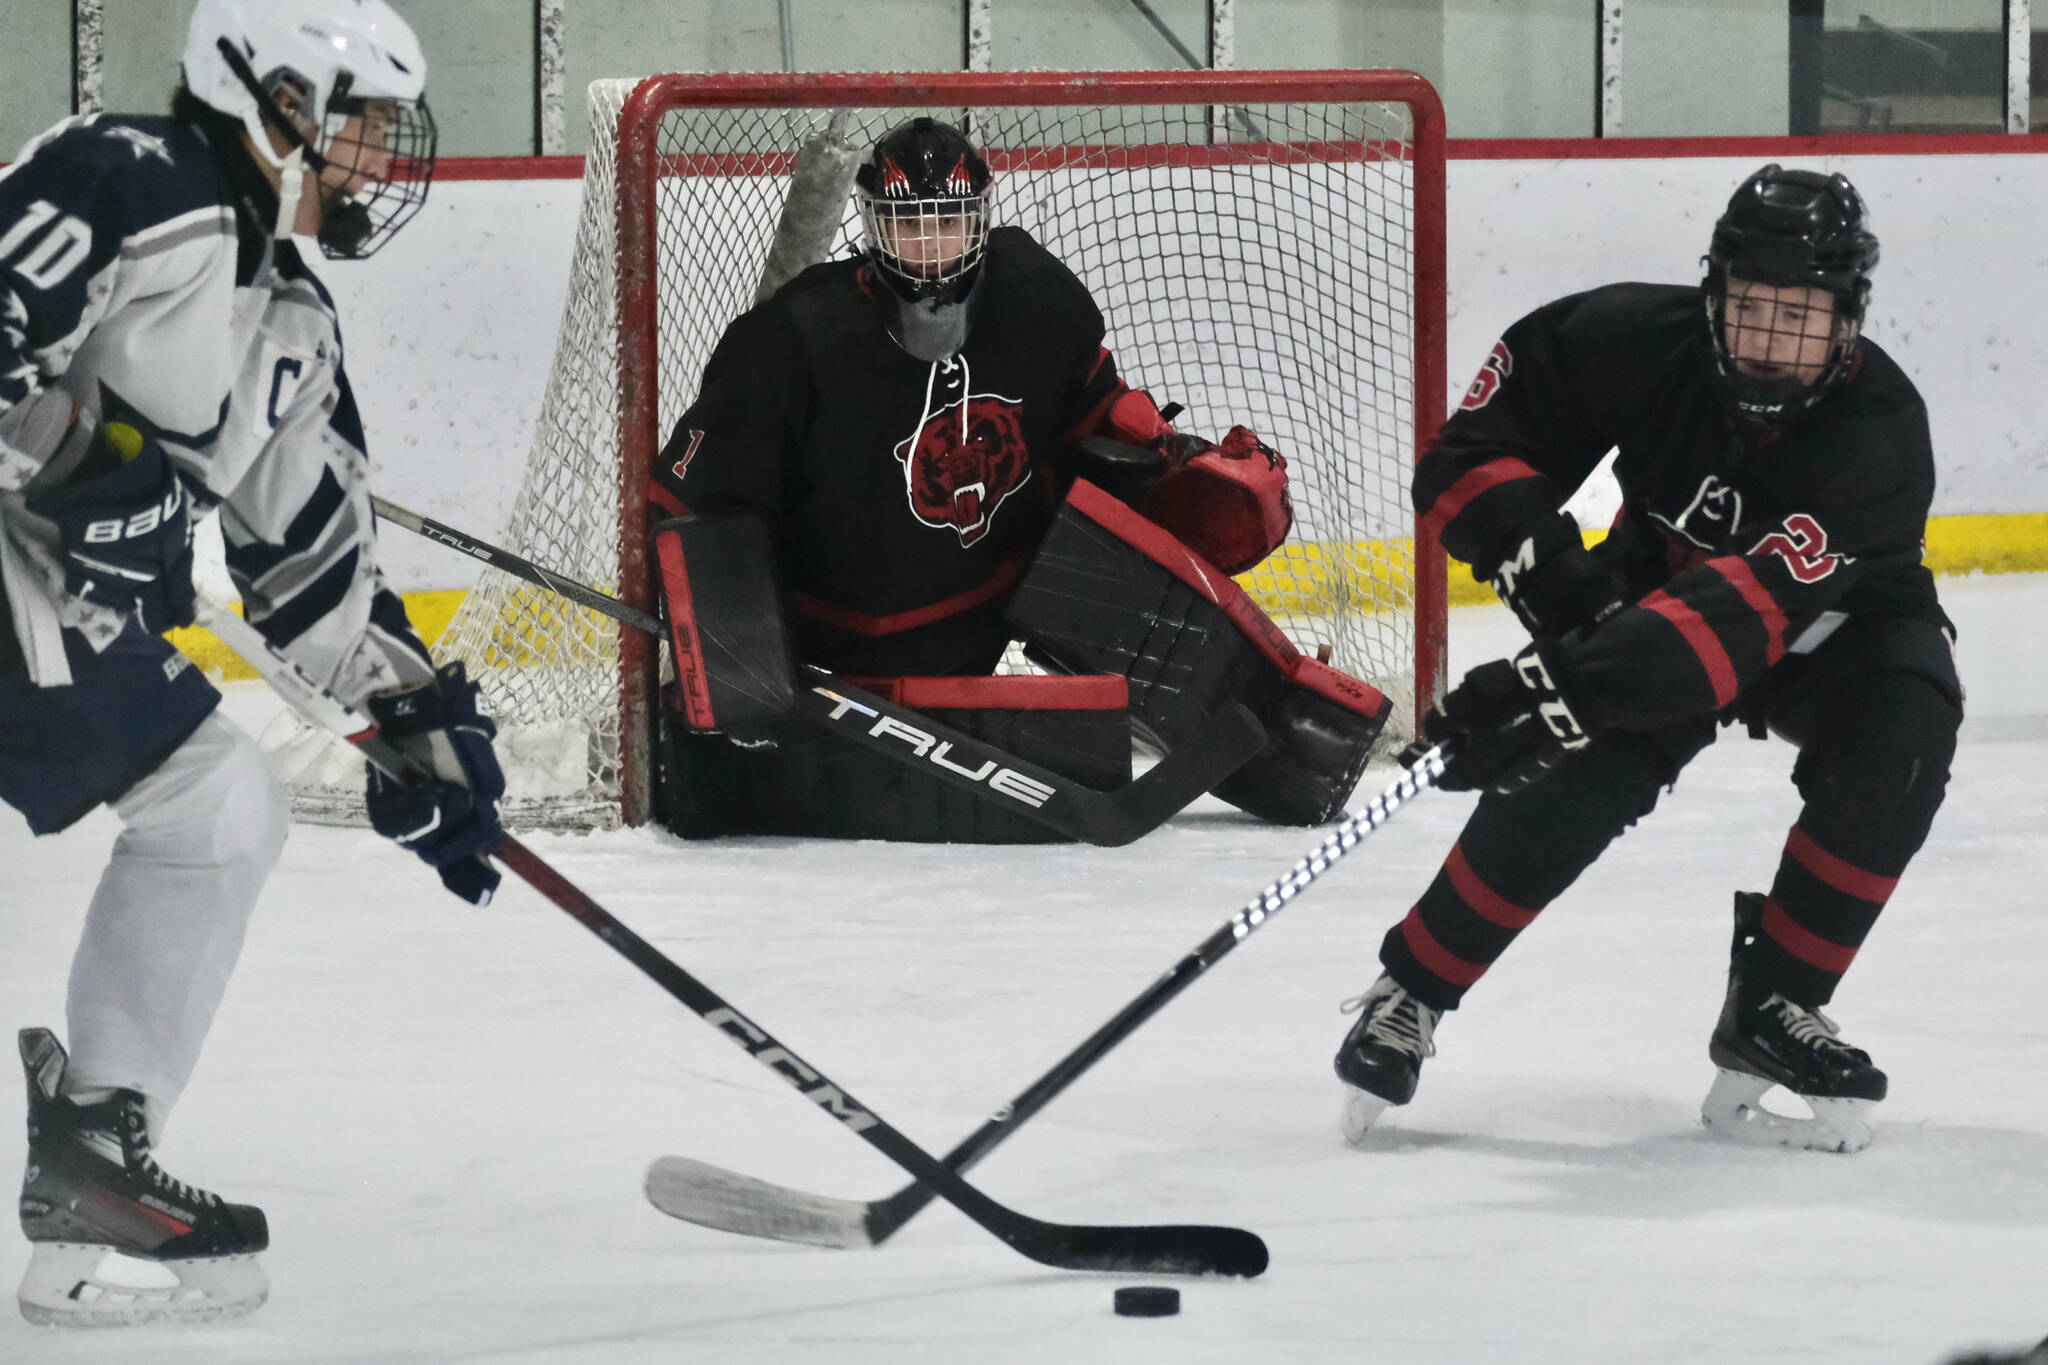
point(452, 820)
point(1554, 583)
point(1507, 725)
point(125, 524)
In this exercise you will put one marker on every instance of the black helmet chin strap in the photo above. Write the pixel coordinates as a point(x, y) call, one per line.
point(267, 107)
point(345, 225)
point(291, 180)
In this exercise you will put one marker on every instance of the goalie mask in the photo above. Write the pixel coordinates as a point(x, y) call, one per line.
point(1788, 278)
point(345, 82)
point(924, 200)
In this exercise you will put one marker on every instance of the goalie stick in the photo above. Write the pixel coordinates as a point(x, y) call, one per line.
point(713, 1197)
point(1188, 1249)
point(1107, 818)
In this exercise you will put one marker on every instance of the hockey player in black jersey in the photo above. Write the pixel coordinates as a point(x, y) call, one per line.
point(165, 351)
point(1765, 570)
point(935, 455)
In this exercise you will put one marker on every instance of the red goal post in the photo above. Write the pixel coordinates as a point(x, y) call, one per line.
point(1267, 248)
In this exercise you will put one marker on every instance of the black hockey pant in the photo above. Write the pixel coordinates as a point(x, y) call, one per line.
point(1874, 712)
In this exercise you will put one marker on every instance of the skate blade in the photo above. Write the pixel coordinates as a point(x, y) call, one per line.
point(1734, 1109)
point(1362, 1109)
point(75, 1284)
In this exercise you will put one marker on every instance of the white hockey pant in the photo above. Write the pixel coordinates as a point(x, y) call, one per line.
point(166, 925)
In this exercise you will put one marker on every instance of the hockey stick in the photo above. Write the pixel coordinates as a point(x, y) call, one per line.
point(714, 1197)
point(1189, 1249)
point(1107, 818)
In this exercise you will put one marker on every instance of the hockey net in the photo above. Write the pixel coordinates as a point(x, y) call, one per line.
point(1266, 249)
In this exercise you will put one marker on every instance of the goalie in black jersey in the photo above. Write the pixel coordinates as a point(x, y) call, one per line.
point(166, 351)
point(1765, 570)
point(918, 455)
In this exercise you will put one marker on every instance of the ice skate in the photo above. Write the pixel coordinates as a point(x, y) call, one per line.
point(1381, 1058)
point(1763, 1040)
point(116, 1241)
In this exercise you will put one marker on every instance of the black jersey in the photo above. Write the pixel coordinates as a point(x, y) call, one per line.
point(906, 498)
point(1732, 543)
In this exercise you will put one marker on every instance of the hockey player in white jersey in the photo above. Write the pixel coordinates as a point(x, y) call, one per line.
point(164, 351)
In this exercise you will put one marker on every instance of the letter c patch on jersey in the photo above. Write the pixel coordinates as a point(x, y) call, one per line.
point(1499, 365)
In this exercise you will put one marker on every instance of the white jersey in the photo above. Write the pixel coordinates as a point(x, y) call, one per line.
point(128, 280)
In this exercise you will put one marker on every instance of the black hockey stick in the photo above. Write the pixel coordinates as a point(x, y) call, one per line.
point(1108, 818)
point(1187, 1249)
point(714, 1197)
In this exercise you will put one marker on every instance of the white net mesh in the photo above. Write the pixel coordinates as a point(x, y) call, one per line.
point(1256, 264)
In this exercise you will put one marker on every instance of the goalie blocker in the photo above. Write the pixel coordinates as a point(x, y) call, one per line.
point(1111, 592)
point(735, 760)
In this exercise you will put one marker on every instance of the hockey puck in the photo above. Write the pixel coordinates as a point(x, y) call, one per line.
point(1147, 1301)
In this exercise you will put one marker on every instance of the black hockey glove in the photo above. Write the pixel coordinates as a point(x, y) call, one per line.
point(452, 820)
point(1507, 725)
point(125, 524)
point(1554, 583)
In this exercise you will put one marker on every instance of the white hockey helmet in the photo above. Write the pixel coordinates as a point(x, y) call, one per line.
point(332, 58)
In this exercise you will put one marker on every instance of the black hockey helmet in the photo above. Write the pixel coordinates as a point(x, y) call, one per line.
point(924, 202)
point(1788, 229)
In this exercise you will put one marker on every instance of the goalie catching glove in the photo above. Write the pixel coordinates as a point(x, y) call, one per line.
point(1507, 723)
point(1227, 501)
point(450, 819)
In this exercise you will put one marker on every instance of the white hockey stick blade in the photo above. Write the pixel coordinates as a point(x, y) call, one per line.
point(1734, 1109)
point(713, 1197)
point(1362, 1109)
point(72, 1284)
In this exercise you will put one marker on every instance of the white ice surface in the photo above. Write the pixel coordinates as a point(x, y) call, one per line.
point(446, 1111)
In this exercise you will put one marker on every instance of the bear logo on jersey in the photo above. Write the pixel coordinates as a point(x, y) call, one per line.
point(963, 462)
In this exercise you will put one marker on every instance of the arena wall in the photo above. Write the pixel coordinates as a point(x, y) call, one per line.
point(450, 330)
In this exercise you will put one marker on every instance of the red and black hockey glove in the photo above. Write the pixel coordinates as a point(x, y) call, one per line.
point(1554, 583)
point(451, 821)
point(1507, 724)
point(125, 524)
point(1226, 501)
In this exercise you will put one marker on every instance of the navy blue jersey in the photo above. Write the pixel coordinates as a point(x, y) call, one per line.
point(1732, 543)
point(135, 271)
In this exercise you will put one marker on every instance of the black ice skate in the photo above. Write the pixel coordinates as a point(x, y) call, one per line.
point(1763, 1040)
point(1381, 1058)
point(115, 1239)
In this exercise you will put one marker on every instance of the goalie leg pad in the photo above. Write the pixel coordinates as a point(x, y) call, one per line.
point(819, 785)
point(733, 662)
point(1112, 593)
